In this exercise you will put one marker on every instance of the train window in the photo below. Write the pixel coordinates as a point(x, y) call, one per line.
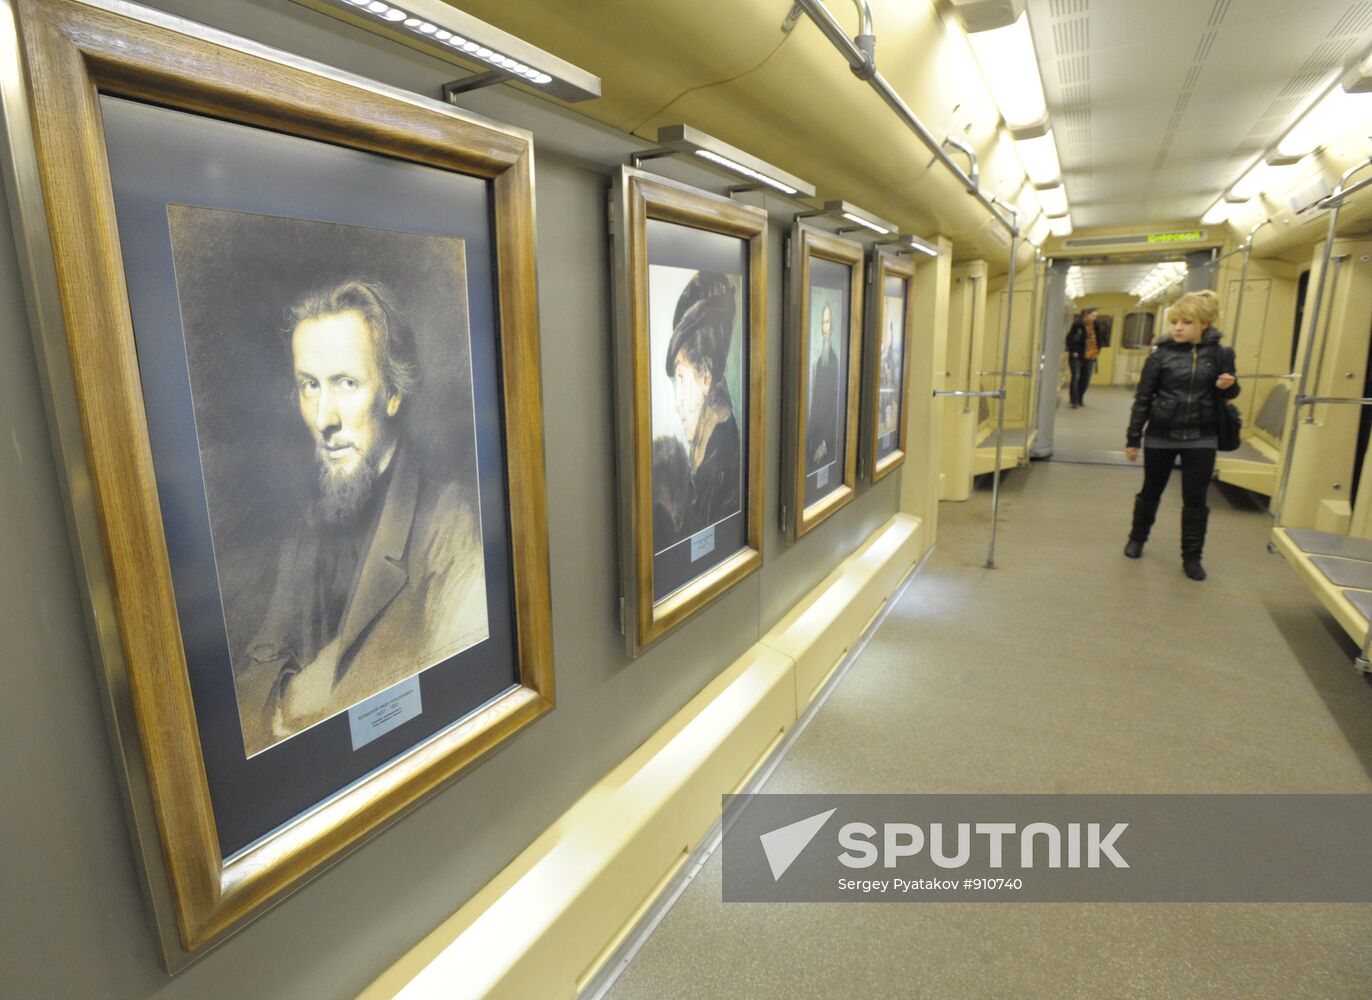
point(1138, 331)
point(1302, 287)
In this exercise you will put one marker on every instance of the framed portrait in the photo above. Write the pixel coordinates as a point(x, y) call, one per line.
point(824, 372)
point(297, 315)
point(887, 375)
point(690, 293)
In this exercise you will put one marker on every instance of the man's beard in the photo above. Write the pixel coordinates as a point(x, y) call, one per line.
point(344, 494)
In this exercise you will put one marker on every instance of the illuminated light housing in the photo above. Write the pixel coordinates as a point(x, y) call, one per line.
point(880, 230)
point(739, 168)
point(1252, 183)
point(861, 217)
point(1061, 226)
point(1011, 68)
point(1218, 214)
point(435, 27)
point(685, 139)
point(1040, 159)
point(1053, 200)
point(1038, 232)
point(910, 244)
point(1333, 115)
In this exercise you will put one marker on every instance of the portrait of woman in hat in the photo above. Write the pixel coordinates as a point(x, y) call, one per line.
point(697, 469)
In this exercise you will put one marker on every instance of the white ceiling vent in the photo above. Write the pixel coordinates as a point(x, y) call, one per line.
point(1357, 19)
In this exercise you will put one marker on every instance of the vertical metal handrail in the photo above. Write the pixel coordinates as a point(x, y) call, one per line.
point(975, 280)
point(1335, 201)
point(1001, 391)
point(1317, 372)
point(1243, 281)
point(861, 56)
point(1038, 306)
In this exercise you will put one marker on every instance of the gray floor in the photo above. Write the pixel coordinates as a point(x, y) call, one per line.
point(1094, 433)
point(1067, 669)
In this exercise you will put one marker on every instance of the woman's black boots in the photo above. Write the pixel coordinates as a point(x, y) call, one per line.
point(1193, 521)
point(1144, 512)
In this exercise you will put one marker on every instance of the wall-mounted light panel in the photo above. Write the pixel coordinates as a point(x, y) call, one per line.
point(692, 141)
point(842, 211)
point(437, 29)
point(910, 244)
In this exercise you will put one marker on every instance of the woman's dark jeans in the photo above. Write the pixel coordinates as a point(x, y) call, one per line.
point(1197, 466)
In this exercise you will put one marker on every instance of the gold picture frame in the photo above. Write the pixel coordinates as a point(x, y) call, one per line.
point(74, 54)
point(813, 491)
point(671, 566)
point(882, 456)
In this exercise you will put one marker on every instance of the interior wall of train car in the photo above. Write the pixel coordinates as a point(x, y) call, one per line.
point(78, 890)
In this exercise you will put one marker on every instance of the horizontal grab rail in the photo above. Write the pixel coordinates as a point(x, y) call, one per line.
point(1311, 400)
point(1255, 375)
point(1013, 374)
point(993, 394)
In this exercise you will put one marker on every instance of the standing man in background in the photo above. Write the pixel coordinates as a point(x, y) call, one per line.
point(1082, 350)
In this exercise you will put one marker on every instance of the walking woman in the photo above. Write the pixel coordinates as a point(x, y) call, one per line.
point(1183, 384)
point(1083, 348)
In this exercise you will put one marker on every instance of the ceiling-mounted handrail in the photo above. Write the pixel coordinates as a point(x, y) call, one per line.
point(971, 154)
point(863, 65)
point(861, 56)
point(1335, 199)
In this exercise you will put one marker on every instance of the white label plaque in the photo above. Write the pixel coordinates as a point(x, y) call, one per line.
point(379, 714)
point(702, 543)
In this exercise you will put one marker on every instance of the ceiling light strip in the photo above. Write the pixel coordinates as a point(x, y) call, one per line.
point(685, 139)
point(438, 29)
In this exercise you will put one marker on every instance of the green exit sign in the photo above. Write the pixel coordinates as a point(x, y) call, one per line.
point(1189, 237)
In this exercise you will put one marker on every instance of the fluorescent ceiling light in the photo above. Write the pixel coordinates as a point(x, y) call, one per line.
point(912, 244)
point(1038, 232)
point(1333, 115)
point(438, 29)
point(1040, 159)
point(1217, 215)
point(850, 212)
point(1252, 183)
point(881, 230)
point(1061, 226)
point(685, 139)
point(1011, 68)
point(1160, 278)
point(1053, 200)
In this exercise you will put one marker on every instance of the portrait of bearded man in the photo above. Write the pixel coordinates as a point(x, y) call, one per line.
point(382, 574)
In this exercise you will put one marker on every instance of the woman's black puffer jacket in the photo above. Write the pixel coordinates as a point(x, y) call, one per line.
point(1176, 397)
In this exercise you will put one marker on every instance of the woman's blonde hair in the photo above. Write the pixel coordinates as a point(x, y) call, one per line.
point(1202, 308)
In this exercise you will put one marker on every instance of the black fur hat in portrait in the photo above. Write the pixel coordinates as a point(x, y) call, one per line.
point(703, 325)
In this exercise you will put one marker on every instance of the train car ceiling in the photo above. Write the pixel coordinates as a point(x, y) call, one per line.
point(1149, 137)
